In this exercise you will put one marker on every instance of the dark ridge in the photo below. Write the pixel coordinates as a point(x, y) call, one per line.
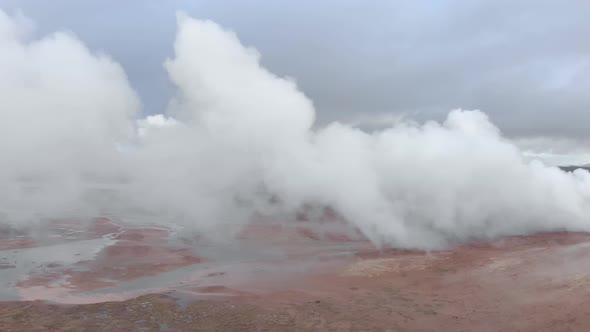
point(573, 168)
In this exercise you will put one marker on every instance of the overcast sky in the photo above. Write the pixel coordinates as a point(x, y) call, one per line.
point(525, 63)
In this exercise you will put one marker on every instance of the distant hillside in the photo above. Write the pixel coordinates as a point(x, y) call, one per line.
point(573, 168)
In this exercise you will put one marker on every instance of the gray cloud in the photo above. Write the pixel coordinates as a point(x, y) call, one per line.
point(525, 63)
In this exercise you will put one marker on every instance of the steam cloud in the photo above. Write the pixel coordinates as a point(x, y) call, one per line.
point(238, 140)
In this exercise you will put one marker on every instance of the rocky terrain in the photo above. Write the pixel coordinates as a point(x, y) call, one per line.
point(106, 276)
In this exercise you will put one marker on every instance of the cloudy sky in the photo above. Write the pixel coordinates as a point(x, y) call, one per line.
point(525, 63)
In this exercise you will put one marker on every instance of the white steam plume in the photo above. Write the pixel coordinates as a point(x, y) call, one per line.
point(236, 136)
point(62, 109)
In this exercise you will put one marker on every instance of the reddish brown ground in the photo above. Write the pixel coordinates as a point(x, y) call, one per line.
point(530, 283)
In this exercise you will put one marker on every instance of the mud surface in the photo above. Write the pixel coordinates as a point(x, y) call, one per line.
point(108, 275)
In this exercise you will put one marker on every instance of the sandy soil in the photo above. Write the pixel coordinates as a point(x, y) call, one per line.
point(109, 276)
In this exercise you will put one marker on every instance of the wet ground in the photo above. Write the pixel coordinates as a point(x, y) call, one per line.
point(107, 274)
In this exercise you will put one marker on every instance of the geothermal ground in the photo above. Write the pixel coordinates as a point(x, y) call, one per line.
point(107, 275)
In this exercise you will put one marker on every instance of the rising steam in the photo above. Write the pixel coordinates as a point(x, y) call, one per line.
point(238, 140)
